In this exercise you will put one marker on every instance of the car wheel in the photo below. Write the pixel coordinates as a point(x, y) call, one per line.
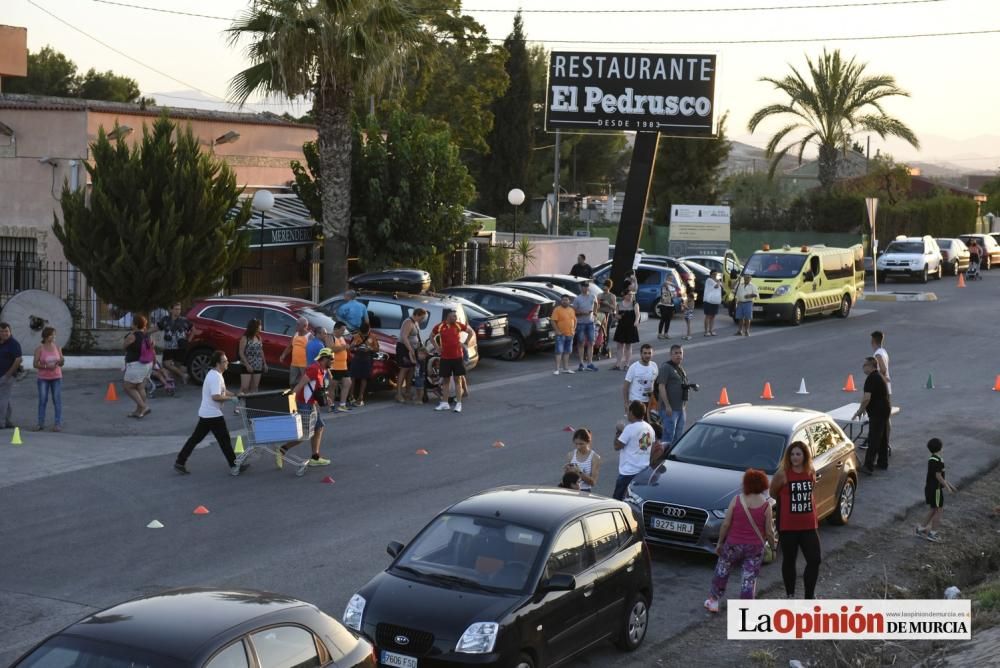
point(940, 273)
point(845, 504)
point(634, 624)
point(845, 307)
point(954, 269)
point(199, 364)
point(798, 313)
point(525, 661)
point(989, 263)
point(518, 349)
point(924, 275)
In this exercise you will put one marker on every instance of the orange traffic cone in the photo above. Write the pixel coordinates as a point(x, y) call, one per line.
point(961, 280)
point(767, 392)
point(111, 395)
point(849, 385)
point(200, 510)
point(421, 451)
point(996, 384)
point(723, 398)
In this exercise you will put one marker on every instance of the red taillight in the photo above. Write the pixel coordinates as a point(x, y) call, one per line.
point(533, 313)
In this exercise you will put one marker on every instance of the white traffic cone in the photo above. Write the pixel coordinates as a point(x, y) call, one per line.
point(802, 387)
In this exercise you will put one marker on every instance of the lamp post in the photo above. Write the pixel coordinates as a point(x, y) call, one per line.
point(263, 201)
point(516, 198)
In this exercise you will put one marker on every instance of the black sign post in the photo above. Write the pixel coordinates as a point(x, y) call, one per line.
point(649, 94)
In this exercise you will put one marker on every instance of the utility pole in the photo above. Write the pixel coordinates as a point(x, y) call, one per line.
point(555, 188)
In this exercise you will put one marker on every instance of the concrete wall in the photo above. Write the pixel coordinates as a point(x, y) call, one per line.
point(557, 255)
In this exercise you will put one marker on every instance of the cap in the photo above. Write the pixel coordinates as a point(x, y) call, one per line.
point(748, 273)
point(324, 352)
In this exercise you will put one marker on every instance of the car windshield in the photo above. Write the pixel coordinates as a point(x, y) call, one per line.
point(912, 247)
point(474, 552)
point(317, 319)
point(728, 447)
point(67, 651)
point(774, 265)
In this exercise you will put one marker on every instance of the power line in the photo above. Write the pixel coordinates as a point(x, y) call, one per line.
point(761, 41)
point(163, 11)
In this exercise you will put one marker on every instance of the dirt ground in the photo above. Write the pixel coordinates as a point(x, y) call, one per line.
point(887, 563)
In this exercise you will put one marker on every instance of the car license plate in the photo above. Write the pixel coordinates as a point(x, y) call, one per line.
point(398, 660)
point(758, 309)
point(673, 525)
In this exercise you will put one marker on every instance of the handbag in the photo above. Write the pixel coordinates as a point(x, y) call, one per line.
point(768, 550)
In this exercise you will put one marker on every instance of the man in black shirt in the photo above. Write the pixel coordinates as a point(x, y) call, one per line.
point(876, 403)
point(581, 269)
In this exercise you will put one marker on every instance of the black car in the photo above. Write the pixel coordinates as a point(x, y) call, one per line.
point(527, 314)
point(954, 255)
point(204, 627)
point(491, 330)
point(516, 576)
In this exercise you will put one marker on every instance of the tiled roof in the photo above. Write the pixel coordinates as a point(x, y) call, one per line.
point(42, 103)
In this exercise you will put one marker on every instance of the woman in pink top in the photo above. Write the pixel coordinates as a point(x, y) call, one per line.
point(740, 542)
point(49, 362)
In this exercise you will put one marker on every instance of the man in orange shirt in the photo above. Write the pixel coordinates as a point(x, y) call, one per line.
point(338, 370)
point(297, 348)
point(564, 319)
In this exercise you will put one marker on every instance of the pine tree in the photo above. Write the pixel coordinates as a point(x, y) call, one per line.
point(156, 228)
point(510, 141)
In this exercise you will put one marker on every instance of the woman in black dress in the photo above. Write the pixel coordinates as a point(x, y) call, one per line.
point(627, 331)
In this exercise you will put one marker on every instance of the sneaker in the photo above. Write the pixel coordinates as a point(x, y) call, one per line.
point(712, 604)
point(443, 406)
point(180, 468)
point(579, 368)
point(244, 466)
point(359, 404)
point(279, 458)
point(318, 461)
point(556, 372)
point(458, 407)
point(568, 371)
point(591, 367)
point(921, 531)
point(933, 536)
point(343, 408)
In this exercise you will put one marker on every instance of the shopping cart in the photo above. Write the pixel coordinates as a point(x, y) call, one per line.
point(268, 430)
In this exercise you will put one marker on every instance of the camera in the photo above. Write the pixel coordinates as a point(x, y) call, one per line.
point(690, 386)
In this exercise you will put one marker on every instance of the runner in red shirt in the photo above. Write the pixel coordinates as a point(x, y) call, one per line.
point(447, 336)
point(311, 392)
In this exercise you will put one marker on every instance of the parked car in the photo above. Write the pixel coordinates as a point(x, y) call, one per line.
point(219, 322)
point(611, 251)
point(388, 310)
point(650, 277)
point(547, 290)
point(684, 499)
point(195, 628)
point(687, 275)
point(724, 264)
point(955, 255)
point(492, 331)
point(991, 257)
point(527, 315)
point(565, 281)
point(516, 576)
point(911, 257)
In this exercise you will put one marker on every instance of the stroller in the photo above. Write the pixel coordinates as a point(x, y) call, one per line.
point(602, 338)
point(159, 379)
point(973, 273)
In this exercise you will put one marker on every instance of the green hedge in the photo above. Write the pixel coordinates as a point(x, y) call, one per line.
point(942, 216)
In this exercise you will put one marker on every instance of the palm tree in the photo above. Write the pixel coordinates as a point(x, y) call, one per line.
point(332, 51)
point(839, 101)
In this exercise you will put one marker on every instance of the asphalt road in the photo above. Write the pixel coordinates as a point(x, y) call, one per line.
point(74, 506)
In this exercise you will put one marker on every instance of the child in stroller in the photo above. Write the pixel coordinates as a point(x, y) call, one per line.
point(159, 379)
point(973, 273)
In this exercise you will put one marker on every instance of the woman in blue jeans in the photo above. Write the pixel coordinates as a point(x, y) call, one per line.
point(49, 362)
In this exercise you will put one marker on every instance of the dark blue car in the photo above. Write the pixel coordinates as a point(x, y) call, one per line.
point(650, 278)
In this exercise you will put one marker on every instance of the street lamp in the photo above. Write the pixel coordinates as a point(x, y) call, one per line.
point(516, 198)
point(263, 201)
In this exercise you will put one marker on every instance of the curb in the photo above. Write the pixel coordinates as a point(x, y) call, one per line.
point(900, 297)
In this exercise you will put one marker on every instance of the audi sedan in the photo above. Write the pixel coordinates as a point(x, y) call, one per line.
point(683, 500)
point(196, 628)
point(517, 577)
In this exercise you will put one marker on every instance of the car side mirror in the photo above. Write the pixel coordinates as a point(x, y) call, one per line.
point(734, 274)
point(558, 582)
point(394, 548)
point(808, 276)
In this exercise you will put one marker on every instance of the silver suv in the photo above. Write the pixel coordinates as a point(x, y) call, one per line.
point(911, 257)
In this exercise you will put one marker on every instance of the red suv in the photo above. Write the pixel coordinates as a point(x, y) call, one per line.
point(219, 322)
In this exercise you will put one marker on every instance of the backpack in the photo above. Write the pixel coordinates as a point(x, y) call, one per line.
point(147, 353)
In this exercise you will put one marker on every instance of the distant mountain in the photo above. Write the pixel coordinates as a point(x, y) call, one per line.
point(747, 158)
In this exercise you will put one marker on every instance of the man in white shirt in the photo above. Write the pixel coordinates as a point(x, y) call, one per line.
point(746, 292)
point(640, 378)
point(633, 443)
point(210, 419)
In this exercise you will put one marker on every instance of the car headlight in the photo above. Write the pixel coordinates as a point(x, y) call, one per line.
point(721, 514)
point(915, 263)
point(354, 611)
point(633, 498)
point(782, 290)
point(479, 638)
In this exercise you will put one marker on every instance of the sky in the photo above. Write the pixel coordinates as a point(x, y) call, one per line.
point(953, 106)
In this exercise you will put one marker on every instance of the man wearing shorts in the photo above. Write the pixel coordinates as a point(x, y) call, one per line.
point(584, 305)
point(175, 330)
point(338, 370)
point(564, 320)
point(311, 392)
point(447, 336)
point(746, 292)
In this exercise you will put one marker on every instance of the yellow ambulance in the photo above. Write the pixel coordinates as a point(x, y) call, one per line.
point(797, 282)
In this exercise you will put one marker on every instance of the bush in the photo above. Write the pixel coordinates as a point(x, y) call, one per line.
point(941, 216)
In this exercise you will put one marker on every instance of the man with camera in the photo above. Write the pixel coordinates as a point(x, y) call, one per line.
point(674, 390)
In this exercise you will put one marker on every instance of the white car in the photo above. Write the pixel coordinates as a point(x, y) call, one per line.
point(911, 257)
